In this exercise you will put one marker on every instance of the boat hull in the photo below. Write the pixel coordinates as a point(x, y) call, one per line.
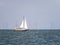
point(23, 29)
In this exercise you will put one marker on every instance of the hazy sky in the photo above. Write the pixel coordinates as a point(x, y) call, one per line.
point(40, 14)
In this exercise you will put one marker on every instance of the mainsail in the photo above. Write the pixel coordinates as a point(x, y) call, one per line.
point(24, 24)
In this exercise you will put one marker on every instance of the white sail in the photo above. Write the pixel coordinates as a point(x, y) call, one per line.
point(24, 24)
point(21, 26)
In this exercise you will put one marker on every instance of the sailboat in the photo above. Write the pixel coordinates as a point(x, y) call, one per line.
point(23, 25)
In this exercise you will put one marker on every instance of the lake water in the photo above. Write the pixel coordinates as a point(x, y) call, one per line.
point(30, 37)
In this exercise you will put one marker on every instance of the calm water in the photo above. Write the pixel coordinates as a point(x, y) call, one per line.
point(30, 37)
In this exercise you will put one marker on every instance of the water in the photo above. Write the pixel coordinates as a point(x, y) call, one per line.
point(30, 37)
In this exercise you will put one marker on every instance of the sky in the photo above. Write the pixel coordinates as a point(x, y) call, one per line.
point(40, 14)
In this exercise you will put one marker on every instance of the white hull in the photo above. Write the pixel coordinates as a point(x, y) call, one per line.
point(21, 29)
